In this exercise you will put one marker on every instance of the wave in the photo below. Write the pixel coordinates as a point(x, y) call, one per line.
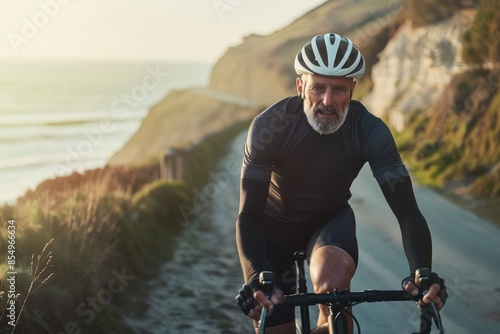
point(17, 165)
point(60, 132)
point(54, 160)
point(56, 120)
point(65, 123)
point(25, 148)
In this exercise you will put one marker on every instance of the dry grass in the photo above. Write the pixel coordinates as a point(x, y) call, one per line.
point(40, 274)
point(80, 218)
point(106, 219)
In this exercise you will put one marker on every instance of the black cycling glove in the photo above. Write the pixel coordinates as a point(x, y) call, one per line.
point(245, 296)
point(434, 278)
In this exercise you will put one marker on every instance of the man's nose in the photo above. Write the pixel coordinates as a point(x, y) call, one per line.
point(328, 98)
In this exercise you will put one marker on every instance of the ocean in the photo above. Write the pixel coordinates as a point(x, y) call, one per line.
point(58, 116)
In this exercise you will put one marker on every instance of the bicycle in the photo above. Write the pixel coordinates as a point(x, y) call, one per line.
point(339, 301)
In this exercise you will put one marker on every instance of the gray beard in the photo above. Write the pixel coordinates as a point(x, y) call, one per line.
point(325, 126)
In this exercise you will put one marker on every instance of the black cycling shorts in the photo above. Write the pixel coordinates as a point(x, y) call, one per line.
point(284, 239)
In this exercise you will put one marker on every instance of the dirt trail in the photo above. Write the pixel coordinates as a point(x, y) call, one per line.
point(195, 291)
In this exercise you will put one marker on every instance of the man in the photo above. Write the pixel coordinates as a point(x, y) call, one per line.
point(300, 159)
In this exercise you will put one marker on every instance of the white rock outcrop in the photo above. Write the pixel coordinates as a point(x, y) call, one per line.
point(415, 66)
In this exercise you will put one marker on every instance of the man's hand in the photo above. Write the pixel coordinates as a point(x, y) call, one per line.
point(259, 296)
point(251, 300)
point(431, 296)
point(436, 293)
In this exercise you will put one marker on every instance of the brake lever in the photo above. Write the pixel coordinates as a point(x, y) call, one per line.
point(266, 283)
point(423, 281)
point(437, 318)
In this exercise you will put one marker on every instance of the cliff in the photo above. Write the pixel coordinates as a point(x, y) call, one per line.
point(415, 67)
point(444, 107)
point(182, 118)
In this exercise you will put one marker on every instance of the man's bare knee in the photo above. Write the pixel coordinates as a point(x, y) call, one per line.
point(331, 268)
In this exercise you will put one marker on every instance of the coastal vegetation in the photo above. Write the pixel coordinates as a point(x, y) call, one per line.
point(482, 40)
point(425, 12)
point(87, 243)
point(454, 143)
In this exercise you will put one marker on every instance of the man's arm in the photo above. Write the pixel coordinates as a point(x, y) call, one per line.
point(396, 185)
point(391, 174)
point(251, 246)
point(414, 230)
point(249, 235)
point(255, 178)
point(416, 236)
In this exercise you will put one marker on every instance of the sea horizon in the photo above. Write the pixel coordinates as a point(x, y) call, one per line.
point(63, 116)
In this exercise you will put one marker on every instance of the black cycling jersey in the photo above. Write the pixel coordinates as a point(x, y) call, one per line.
point(296, 175)
point(311, 173)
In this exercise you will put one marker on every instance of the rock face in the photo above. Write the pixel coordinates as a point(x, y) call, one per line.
point(415, 66)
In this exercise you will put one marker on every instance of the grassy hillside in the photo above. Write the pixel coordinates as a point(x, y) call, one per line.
point(454, 143)
point(482, 41)
point(183, 117)
point(424, 12)
point(456, 139)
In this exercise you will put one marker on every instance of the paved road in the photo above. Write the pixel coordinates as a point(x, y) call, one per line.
point(195, 291)
point(465, 252)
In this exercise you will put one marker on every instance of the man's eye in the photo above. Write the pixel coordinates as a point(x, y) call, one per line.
point(340, 90)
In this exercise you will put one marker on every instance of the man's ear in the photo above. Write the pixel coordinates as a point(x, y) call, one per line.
point(300, 88)
point(353, 85)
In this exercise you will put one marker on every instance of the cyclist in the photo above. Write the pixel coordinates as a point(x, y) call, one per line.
point(300, 158)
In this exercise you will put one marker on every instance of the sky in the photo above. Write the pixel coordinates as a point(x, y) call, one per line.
point(168, 30)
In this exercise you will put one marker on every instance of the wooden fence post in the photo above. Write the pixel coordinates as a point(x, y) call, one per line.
point(167, 165)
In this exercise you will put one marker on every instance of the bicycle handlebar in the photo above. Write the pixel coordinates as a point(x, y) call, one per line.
point(345, 296)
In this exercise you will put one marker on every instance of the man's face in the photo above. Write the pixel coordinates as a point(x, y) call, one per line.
point(326, 100)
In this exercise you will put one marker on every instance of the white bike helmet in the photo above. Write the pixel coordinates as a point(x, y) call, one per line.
point(330, 55)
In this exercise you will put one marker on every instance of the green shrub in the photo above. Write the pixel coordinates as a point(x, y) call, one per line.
point(481, 43)
point(457, 138)
point(487, 185)
point(424, 12)
point(149, 229)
